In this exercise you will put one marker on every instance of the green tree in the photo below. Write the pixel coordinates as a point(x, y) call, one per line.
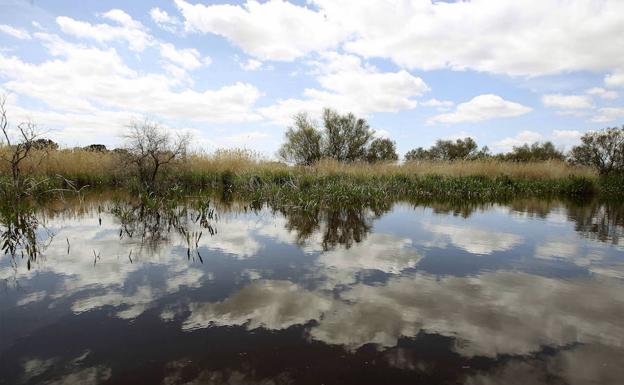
point(346, 137)
point(448, 150)
point(303, 142)
point(534, 152)
point(603, 150)
point(382, 150)
point(96, 148)
point(45, 144)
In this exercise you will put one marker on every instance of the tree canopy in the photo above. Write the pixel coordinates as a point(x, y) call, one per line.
point(343, 137)
point(448, 150)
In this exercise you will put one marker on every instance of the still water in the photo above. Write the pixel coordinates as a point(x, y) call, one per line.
point(530, 292)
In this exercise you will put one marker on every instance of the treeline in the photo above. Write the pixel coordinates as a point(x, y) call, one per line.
point(346, 138)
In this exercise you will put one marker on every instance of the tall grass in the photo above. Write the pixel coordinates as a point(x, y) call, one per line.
point(246, 172)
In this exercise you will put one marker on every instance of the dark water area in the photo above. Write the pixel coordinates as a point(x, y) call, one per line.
point(530, 292)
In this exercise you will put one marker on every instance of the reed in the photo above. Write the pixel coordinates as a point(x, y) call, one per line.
point(246, 172)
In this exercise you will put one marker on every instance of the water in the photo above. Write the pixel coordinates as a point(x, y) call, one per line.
point(526, 293)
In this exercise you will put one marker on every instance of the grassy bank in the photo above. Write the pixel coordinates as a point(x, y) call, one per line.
point(239, 172)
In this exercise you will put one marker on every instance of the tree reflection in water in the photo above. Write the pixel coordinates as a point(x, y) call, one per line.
point(339, 226)
point(23, 235)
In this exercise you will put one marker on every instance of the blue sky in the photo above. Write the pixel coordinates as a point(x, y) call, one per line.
point(233, 73)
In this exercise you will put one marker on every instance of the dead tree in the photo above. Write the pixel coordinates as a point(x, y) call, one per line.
point(15, 150)
point(150, 148)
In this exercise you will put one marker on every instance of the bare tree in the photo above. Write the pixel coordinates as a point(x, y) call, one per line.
point(16, 148)
point(150, 148)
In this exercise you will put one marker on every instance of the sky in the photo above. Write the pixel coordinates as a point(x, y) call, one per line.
point(233, 73)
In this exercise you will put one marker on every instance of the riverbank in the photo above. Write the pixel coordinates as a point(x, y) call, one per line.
point(329, 182)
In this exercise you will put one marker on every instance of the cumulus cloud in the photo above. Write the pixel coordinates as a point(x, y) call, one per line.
point(608, 114)
point(480, 108)
point(417, 34)
point(603, 93)
point(268, 304)
point(271, 30)
point(521, 138)
point(440, 105)
point(573, 102)
point(15, 32)
point(188, 58)
point(350, 85)
point(164, 20)
point(127, 29)
point(616, 79)
point(475, 240)
point(94, 87)
point(137, 37)
point(251, 65)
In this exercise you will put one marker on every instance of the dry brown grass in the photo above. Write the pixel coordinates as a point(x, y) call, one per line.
point(489, 168)
point(104, 165)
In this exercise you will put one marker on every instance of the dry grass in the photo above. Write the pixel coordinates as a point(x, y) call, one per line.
point(72, 163)
point(488, 168)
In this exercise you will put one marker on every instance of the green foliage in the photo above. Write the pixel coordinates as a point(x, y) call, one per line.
point(603, 150)
point(382, 150)
point(448, 150)
point(534, 153)
point(346, 137)
point(44, 144)
point(96, 148)
point(303, 142)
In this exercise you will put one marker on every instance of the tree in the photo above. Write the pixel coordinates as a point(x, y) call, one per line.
point(382, 150)
point(150, 149)
point(603, 150)
point(16, 148)
point(45, 144)
point(534, 153)
point(448, 150)
point(303, 142)
point(95, 148)
point(346, 137)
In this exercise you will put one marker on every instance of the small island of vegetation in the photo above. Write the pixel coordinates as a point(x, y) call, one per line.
point(338, 160)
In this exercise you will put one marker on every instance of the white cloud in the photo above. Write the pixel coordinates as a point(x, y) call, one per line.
point(188, 58)
point(128, 30)
point(518, 140)
point(246, 137)
point(15, 32)
point(566, 138)
point(482, 107)
point(603, 93)
point(348, 85)
point(251, 65)
point(440, 105)
point(532, 37)
point(616, 79)
point(475, 240)
point(567, 134)
point(164, 20)
point(608, 114)
point(271, 30)
point(573, 102)
point(94, 88)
